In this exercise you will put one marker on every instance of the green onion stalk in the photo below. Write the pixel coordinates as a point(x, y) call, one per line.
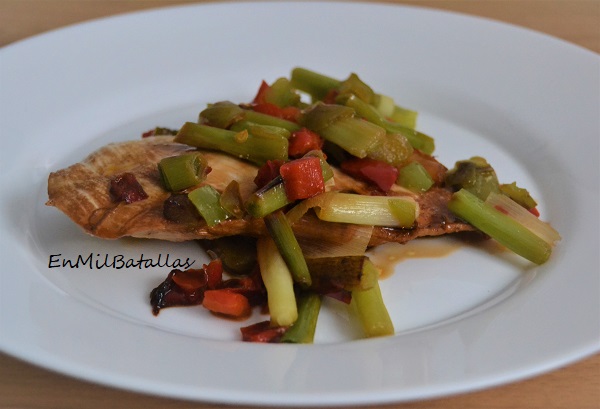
point(281, 232)
point(371, 311)
point(303, 330)
point(183, 171)
point(206, 199)
point(225, 114)
point(501, 227)
point(279, 283)
point(244, 145)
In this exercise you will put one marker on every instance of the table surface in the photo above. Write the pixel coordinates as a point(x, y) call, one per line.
point(575, 386)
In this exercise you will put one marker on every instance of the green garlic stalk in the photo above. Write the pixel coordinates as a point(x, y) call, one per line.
point(499, 226)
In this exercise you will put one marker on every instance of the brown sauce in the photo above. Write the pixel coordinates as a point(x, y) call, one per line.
point(387, 256)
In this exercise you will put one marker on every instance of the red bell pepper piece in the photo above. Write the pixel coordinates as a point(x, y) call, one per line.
point(169, 293)
point(303, 141)
point(210, 276)
point(287, 113)
point(302, 178)
point(250, 287)
point(267, 172)
point(382, 174)
point(125, 187)
point(214, 273)
point(262, 332)
point(226, 302)
point(260, 97)
point(190, 280)
point(260, 104)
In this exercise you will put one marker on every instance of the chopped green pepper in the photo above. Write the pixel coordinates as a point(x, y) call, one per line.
point(475, 175)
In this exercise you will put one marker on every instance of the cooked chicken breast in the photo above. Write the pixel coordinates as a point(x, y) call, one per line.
point(81, 191)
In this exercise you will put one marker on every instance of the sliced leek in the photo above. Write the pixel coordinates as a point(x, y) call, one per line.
point(224, 114)
point(414, 177)
point(315, 84)
point(303, 330)
point(390, 211)
point(281, 232)
point(500, 226)
point(207, 200)
point(527, 219)
point(267, 199)
point(244, 145)
point(278, 281)
point(183, 171)
point(371, 311)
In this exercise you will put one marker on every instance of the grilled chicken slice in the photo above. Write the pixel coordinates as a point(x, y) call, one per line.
point(81, 191)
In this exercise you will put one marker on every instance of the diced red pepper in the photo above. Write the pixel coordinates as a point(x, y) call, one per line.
point(267, 172)
point(260, 97)
point(302, 178)
point(250, 286)
point(287, 113)
point(379, 173)
point(125, 187)
point(190, 280)
point(303, 141)
point(210, 276)
point(227, 303)
point(260, 104)
point(534, 211)
point(262, 332)
point(214, 273)
point(170, 294)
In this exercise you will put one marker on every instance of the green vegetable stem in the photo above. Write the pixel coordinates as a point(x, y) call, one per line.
point(303, 330)
point(244, 145)
point(315, 84)
point(371, 311)
point(414, 177)
point(278, 281)
point(181, 172)
point(207, 200)
point(281, 232)
point(267, 199)
point(225, 114)
point(337, 124)
point(501, 227)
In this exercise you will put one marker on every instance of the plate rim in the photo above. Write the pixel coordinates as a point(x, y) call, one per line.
point(568, 358)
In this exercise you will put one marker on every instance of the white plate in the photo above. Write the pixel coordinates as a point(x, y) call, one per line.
point(476, 318)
